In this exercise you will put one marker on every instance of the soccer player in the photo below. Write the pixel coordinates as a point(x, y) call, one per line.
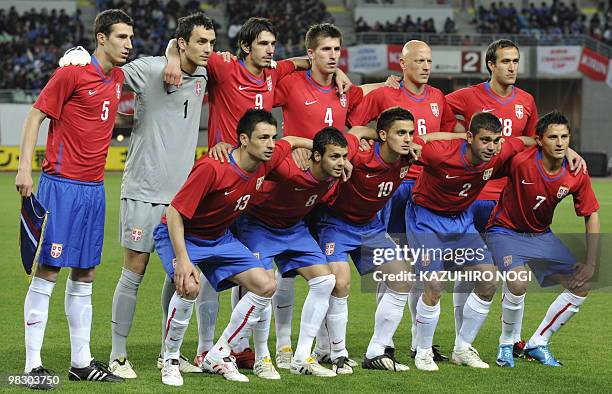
point(310, 101)
point(432, 114)
point(519, 234)
point(440, 219)
point(81, 103)
point(195, 231)
point(159, 159)
point(274, 229)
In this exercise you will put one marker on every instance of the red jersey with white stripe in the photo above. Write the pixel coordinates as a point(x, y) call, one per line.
point(81, 102)
point(528, 202)
point(232, 90)
point(517, 113)
point(289, 194)
point(308, 107)
point(216, 193)
point(430, 110)
point(450, 183)
point(371, 184)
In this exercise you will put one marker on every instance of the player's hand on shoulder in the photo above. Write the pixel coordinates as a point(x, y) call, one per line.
point(24, 183)
point(221, 152)
point(365, 145)
point(173, 75)
point(393, 81)
point(301, 157)
point(226, 56)
point(343, 82)
point(576, 162)
point(75, 56)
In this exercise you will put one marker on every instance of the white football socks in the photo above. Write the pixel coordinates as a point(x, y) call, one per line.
point(427, 317)
point(180, 310)
point(241, 343)
point(513, 307)
point(207, 308)
point(413, 298)
point(261, 332)
point(475, 313)
point(313, 313)
point(77, 306)
point(168, 290)
point(35, 316)
point(246, 313)
point(388, 317)
point(337, 318)
point(461, 292)
point(124, 307)
point(282, 302)
point(563, 308)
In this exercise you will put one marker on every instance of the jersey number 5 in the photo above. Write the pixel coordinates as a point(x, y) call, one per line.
point(105, 105)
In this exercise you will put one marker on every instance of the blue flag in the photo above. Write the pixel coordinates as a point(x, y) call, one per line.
point(33, 219)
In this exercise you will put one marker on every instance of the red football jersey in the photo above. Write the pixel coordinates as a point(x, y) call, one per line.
point(289, 194)
point(232, 90)
point(531, 196)
point(82, 103)
point(450, 183)
point(430, 110)
point(308, 107)
point(517, 113)
point(370, 186)
point(215, 193)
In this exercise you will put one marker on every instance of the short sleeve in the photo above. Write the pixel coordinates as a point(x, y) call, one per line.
point(457, 101)
point(281, 92)
point(530, 127)
point(58, 90)
point(353, 145)
point(585, 202)
point(284, 68)
point(138, 73)
point(218, 68)
point(511, 147)
point(367, 110)
point(433, 151)
point(355, 96)
point(282, 149)
point(448, 119)
point(196, 187)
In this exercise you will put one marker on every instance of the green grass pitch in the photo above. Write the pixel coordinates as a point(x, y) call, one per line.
point(585, 345)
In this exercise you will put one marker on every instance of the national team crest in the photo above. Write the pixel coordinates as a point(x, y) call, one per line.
point(404, 171)
point(343, 100)
point(487, 174)
point(269, 83)
point(434, 109)
point(259, 182)
point(198, 88)
point(563, 190)
point(518, 110)
point(329, 248)
point(507, 261)
point(118, 91)
point(136, 234)
point(56, 250)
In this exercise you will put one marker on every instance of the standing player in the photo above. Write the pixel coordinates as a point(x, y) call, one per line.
point(432, 114)
point(519, 234)
point(440, 219)
point(274, 229)
point(81, 103)
point(195, 231)
point(516, 110)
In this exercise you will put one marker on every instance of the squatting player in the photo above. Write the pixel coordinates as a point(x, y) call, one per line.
point(519, 234)
point(195, 231)
point(81, 103)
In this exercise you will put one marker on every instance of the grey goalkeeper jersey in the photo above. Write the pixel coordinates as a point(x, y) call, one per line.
point(165, 133)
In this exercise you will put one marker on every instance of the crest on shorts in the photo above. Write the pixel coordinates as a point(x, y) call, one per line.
point(259, 182)
point(434, 109)
point(269, 82)
point(329, 248)
point(257, 255)
point(136, 234)
point(507, 261)
point(518, 110)
point(198, 88)
point(404, 171)
point(56, 250)
point(118, 91)
point(343, 100)
point(563, 190)
point(487, 174)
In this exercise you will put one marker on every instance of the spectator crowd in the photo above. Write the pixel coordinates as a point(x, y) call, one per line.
point(406, 24)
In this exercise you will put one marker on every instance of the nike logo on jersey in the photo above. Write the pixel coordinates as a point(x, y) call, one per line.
point(524, 182)
point(243, 87)
point(488, 110)
point(230, 192)
point(310, 102)
point(371, 175)
point(451, 177)
point(92, 92)
point(171, 91)
point(300, 189)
